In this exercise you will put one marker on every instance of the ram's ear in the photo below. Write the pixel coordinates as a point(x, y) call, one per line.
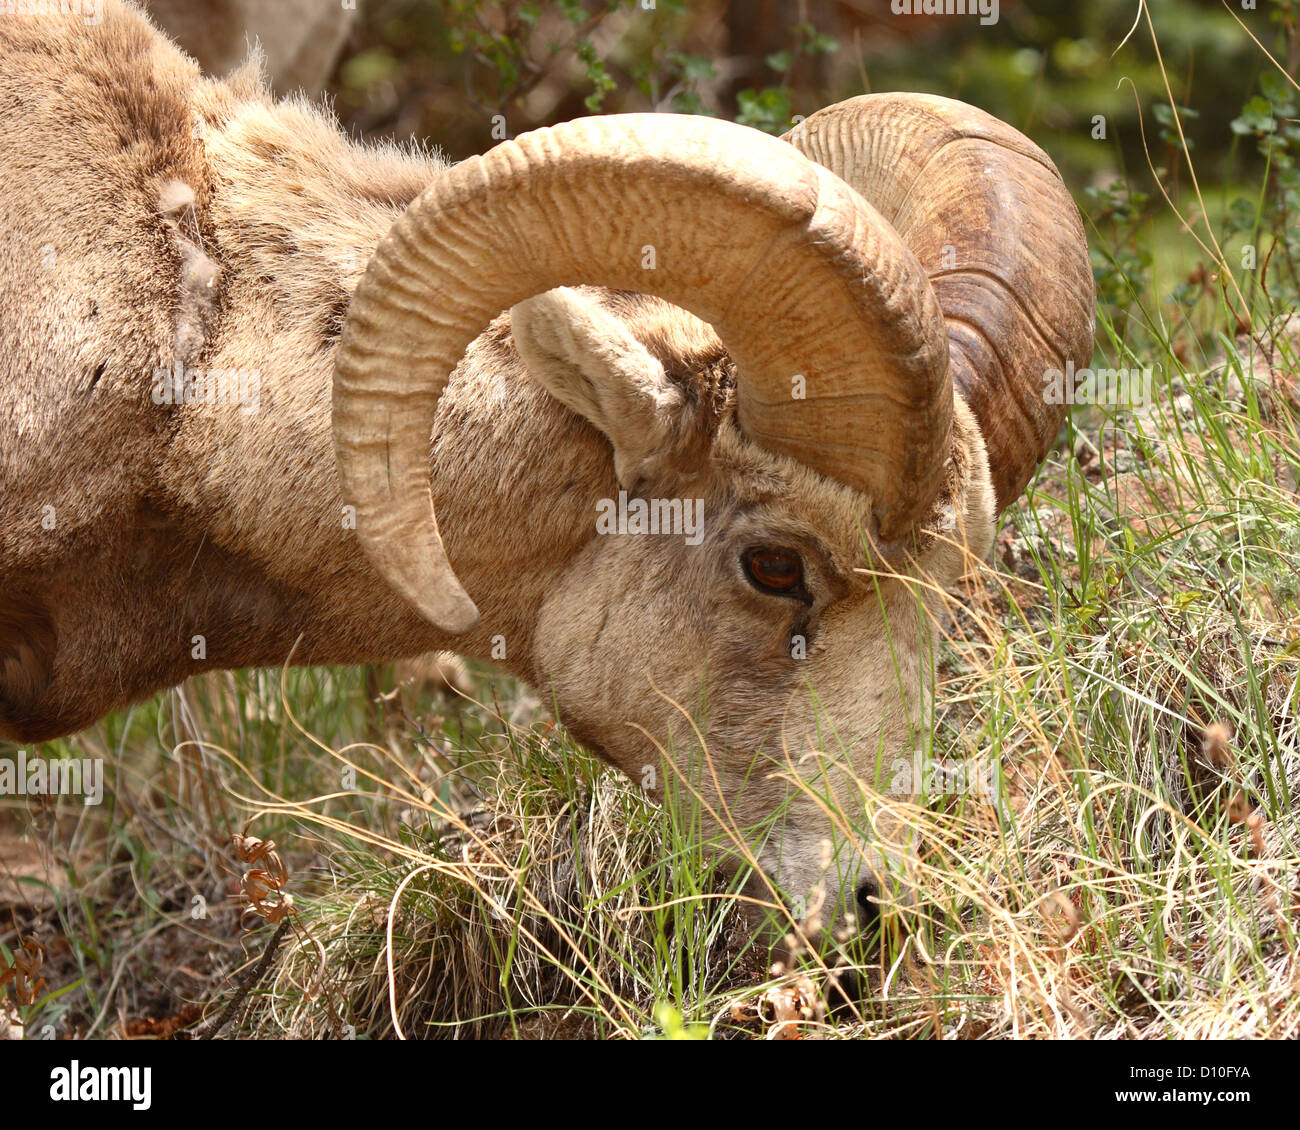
point(588, 360)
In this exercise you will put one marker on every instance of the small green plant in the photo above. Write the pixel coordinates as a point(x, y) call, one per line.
point(770, 108)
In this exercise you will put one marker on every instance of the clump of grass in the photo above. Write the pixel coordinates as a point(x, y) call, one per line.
point(531, 890)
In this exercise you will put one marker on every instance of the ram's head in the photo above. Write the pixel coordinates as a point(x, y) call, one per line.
point(855, 393)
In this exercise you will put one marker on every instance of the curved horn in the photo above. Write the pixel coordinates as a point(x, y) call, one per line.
point(797, 274)
point(990, 219)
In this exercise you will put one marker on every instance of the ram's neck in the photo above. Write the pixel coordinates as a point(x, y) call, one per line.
point(307, 206)
point(515, 475)
point(206, 534)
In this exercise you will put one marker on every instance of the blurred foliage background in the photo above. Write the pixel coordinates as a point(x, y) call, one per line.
point(1110, 88)
point(441, 69)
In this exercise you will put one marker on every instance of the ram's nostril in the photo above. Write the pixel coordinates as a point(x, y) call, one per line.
point(868, 895)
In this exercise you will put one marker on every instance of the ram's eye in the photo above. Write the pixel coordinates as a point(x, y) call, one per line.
point(776, 571)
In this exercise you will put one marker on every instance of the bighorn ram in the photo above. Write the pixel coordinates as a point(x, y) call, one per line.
point(854, 395)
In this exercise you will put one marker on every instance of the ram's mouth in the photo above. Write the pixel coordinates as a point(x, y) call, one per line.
point(847, 967)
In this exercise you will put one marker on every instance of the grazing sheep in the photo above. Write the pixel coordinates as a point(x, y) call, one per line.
point(717, 479)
